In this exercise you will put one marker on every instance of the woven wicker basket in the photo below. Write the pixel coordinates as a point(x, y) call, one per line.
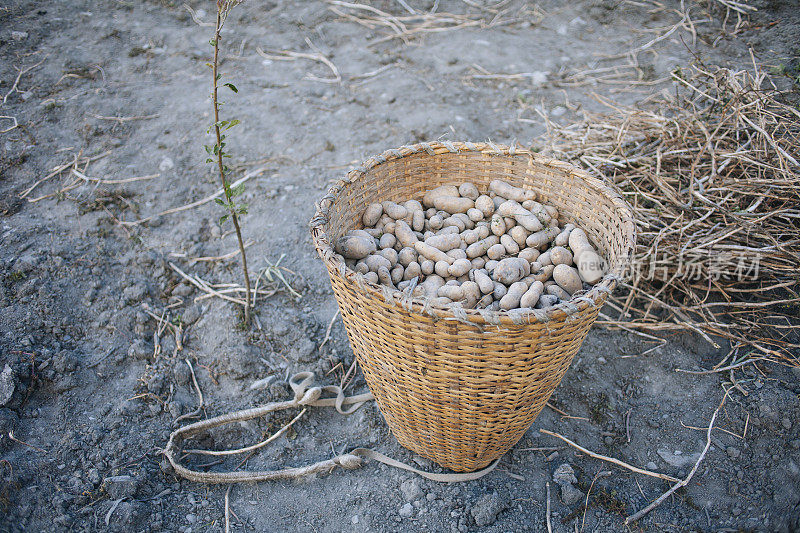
point(462, 389)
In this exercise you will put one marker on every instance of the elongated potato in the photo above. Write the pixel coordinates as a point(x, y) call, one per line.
point(497, 225)
point(471, 294)
point(397, 275)
point(469, 236)
point(454, 221)
point(485, 283)
point(545, 273)
point(579, 242)
point(413, 270)
point(529, 254)
point(372, 214)
point(591, 266)
point(531, 296)
point(385, 277)
point(390, 254)
point(560, 256)
point(506, 190)
point(445, 242)
point(510, 208)
point(510, 245)
point(457, 253)
point(459, 267)
point(394, 210)
point(483, 230)
point(444, 190)
point(512, 297)
point(519, 234)
point(540, 238)
point(529, 222)
point(427, 267)
point(434, 254)
point(563, 238)
point(496, 252)
point(453, 204)
point(482, 246)
point(545, 259)
point(556, 290)
point(405, 235)
point(418, 220)
point(454, 292)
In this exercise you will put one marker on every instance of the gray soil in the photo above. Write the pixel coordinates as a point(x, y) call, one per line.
point(93, 399)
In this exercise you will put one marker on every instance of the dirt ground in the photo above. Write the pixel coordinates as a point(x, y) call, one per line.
point(90, 397)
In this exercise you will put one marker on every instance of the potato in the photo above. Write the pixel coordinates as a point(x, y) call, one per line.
point(496, 252)
point(387, 240)
point(412, 271)
point(471, 294)
point(429, 287)
point(529, 254)
point(552, 211)
point(454, 292)
point(478, 262)
point(406, 255)
point(529, 222)
point(545, 273)
point(442, 268)
point(499, 291)
point(445, 242)
point(448, 230)
point(444, 190)
point(469, 236)
point(506, 190)
point(397, 275)
point(591, 266)
point(490, 265)
point(361, 267)
point(512, 297)
point(497, 225)
point(567, 278)
point(435, 222)
point(485, 301)
point(510, 208)
point(395, 211)
point(579, 242)
point(483, 230)
point(540, 238)
point(372, 214)
point(374, 232)
point(560, 256)
point(532, 295)
point(454, 221)
point(390, 254)
point(546, 300)
point(389, 227)
point(405, 235)
point(418, 220)
point(441, 301)
point(483, 280)
point(482, 246)
point(511, 270)
point(414, 205)
point(427, 267)
point(375, 261)
point(476, 215)
point(545, 259)
point(434, 254)
point(510, 245)
point(453, 204)
point(562, 239)
point(460, 267)
point(556, 290)
point(519, 234)
point(538, 210)
point(457, 253)
point(485, 205)
point(371, 277)
point(355, 247)
point(468, 190)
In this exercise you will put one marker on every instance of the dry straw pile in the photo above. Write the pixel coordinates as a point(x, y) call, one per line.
point(712, 173)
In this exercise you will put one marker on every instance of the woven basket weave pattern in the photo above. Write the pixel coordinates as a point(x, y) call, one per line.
point(463, 391)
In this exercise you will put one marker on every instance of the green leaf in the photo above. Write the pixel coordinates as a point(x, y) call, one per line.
point(233, 123)
point(220, 201)
point(242, 209)
point(237, 191)
point(209, 148)
point(232, 87)
point(212, 42)
point(223, 218)
point(209, 160)
point(219, 76)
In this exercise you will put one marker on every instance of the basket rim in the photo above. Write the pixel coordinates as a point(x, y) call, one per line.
point(595, 297)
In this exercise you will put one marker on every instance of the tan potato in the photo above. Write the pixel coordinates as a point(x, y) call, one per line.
point(540, 238)
point(512, 297)
point(457, 253)
point(510, 245)
point(478, 262)
point(387, 240)
point(519, 234)
point(453, 204)
point(562, 239)
point(418, 220)
point(445, 242)
point(394, 210)
point(511, 270)
point(510, 208)
point(434, 254)
point(441, 301)
point(460, 267)
point(485, 301)
point(435, 222)
point(468, 190)
point(483, 230)
point(506, 190)
point(475, 214)
point(427, 267)
point(483, 280)
point(471, 294)
point(375, 261)
point(375, 233)
point(531, 296)
point(485, 205)
point(552, 211)
point(538, 210)
point(560, 256)
point(490, 265)
point(447, 230)
point(414, 205)
point(361, 267)
point(545, 273)
point(385, 277)
point(568, 279)
point(579, 242)
point(529, 222)
point(529, 254)
point(429, 287)
point(355, 247)
point(469, 236)
point(372, 214)
point(482, 246)
point(454, 221)
point(389, 227)
point(497, 225)
point(442, 268)
point(546, 300)
point(454, 292)
point(444, 190)
point(499, 291)
point(545, 259)
point(496, 252)
point(591, 266)
point(405, 235)
point(371, 277)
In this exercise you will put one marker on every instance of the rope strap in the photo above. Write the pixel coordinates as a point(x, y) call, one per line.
point(306, 394)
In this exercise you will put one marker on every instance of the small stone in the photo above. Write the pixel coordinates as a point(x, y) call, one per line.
point(140, 350)
point(570, 495)
point(651, 465)
point(134, 293)
point(564, 474)
point(411, 490)
point(786, 423)
point(19, 35)
point(120, 487)
point(406, 510)
point(191, 315)
point(486, 509)
point(191, 518)
point(166, 164)
point(601, 359)
point(7, 385)
point(677, 458)
point(65, 362)
point(305, 350)
point(354, 520)
point(733, 452)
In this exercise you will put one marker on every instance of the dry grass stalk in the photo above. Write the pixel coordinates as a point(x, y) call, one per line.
point(712, 173)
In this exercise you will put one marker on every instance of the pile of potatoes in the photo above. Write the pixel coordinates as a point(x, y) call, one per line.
point(500, 250)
